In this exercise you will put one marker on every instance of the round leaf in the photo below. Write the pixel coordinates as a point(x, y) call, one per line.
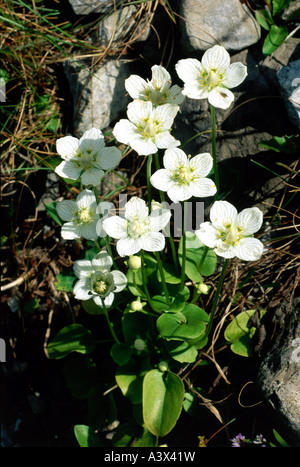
point(72, 338)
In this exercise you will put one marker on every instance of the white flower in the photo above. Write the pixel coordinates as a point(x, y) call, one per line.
point(184, 177)
point(87, 157)
point(81, 216)
point(147, 128)
point(138, 230)
point(159, 90)
point(230, 233)
point(97, 281)
point(212, 78)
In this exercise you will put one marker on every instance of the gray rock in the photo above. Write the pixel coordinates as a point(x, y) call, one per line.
point(85, 7)
point(279, 373)
point(204, 24)
point(289, 81)
point(99, 97)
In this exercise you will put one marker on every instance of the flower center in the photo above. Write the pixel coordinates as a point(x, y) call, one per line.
point(85, 159)
point(211, 79)
point(150, 129)
point(231, 236)
point(84, 215)
point(183, 175)
point(102, 283)
point(136, 228)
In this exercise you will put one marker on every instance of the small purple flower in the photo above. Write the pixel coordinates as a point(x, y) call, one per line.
point(236, 442)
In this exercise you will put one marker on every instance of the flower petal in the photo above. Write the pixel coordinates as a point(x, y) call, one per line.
point(128, 246)
point(207, 234)
point(189, 70)
point(153, 241)
point(174, 158)
point(220, 97)
point(66, 209)
point(216, 58)
point(139, 111)
point(110, 158)
point(203, 187)
point(165, 114)
point(115, 227)
point(223, 214)
point(165, 140)
point(144, 146)
point(202, 164)
point(108, 301)
point(124, 131)
point(102, 262)
point(67, 147)
point(136, 209)
point(86, 199)
point(161, 180)
point(120, 281)
point(69, 231)
point(92, 139)
point(175, 95)
point(68, 169)
point(250, 220)
point(179, 193)
point(249, 249)
point(159, 219)
point(82, 290)
point(235, 75)
point(92, 176)
point(83, 268)
point(160, 77)
point(88, 230)
point(135, 86)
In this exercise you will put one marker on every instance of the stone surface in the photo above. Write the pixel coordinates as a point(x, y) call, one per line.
point(289, 81)
point(279, 374)
point(85, 7)
point(205, 24)
point(99, 97)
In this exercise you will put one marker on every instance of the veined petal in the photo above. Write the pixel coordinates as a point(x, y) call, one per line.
point(86, 199)
point(225, 250)
point(124, 131)
point(102, 262)
point(174, 158)
point(88, 230)
point(92, 176)
point(153, 241)
point(68, 169)
point(67, 147)
point(175, 95)
point(92, 134)
point(220, 97)
point(194, 90)
point(66, 209)
point(249, 249)
point(189, 69)
point(143, 146)
point(83, 268)
point(207, 234)
point(203, 187)
point(250, 220)
point(165, 114)
point(115, 227)
point(165, 140)
point(139, 111)
point(202, 164)
point(82, 290)
point(136, 209)
point(120, 280)
point(99, 229)
point(135, 86)
point(160, 76)
point(108, 301)
point(128, 246)
point(159, 219)
point(216, 58)
point(92, 140)
point(235, 75)
point(223, 214)
point(69, 231)
point(179, 193)
point(161, 180)
point(109, 158)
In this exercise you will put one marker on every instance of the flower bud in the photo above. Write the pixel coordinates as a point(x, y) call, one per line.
point(134, 262)
point(136, 306)
point(163, 366)
point(202, 288)
point(139, 344)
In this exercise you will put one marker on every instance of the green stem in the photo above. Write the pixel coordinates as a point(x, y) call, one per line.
point(162, 276)
point(136, 286)
point(149, 173)
point(203, 258)
point(144, 276)
point(163, 200)
point(216, 298)
point(110, 325)
point(214, 152)
point(183, 264)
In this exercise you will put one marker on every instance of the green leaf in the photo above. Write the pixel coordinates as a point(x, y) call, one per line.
point(163, 395)
point(136, 325)
point(160, 304)
point(239, 333)
point(188, 324)
point(72, 338)
point(195, 250)
point(181, 351)
point(129, 378)
point(274, 39)
point(280, 440)
point(81, 375)
point(279, 5)
point(264, 19)
point(87, 437)
point(120, 353)
point(284, 144)
point(171, 274)
point(51, 209)
point(65, 280)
